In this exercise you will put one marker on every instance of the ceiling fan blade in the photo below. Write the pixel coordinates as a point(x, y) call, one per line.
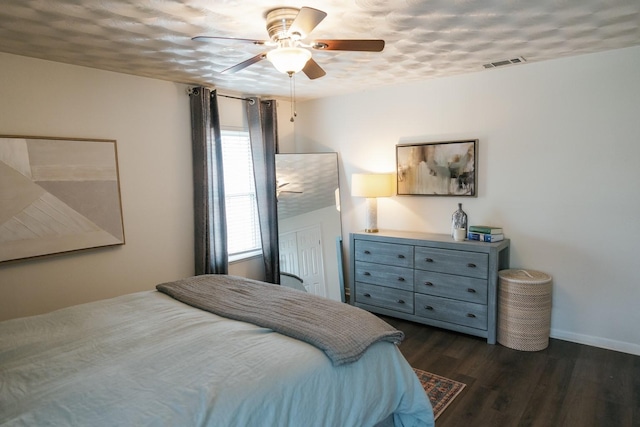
point(352, 45)
point(244, 64)
point(313, 70)
point(211, 38)
point(306, 20)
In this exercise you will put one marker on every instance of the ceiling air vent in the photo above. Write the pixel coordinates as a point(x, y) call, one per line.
point(518, 60)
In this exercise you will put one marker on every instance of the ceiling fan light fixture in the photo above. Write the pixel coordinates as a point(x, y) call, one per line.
point(289, 60)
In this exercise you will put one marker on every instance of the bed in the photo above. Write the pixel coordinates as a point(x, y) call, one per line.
point(150, 359)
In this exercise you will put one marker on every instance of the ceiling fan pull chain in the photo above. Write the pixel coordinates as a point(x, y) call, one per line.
point(292, 87)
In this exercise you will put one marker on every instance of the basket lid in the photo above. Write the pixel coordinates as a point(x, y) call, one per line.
point(524, 276)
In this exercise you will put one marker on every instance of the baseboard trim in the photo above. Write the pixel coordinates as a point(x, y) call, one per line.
point(624, 347)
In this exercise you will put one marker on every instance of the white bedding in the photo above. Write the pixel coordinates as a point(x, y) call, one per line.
point(146, 359)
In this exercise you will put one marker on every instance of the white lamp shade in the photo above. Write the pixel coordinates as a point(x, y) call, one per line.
point(371, 185)
point(289, 60)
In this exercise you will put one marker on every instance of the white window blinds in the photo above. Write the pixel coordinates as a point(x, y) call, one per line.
point(243, 228)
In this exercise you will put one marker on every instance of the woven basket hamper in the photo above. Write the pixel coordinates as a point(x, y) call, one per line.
point(524, 309)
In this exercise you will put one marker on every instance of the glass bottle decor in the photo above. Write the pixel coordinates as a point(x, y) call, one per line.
point(459, 220)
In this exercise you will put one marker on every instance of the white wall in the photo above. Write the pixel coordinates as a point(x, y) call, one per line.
point(150, 121)
point(558, 169)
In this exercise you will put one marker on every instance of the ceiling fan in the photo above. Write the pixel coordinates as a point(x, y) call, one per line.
point(287, 28)
point(279, 190)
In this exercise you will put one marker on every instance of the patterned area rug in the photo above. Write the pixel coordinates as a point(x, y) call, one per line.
point(441, 390)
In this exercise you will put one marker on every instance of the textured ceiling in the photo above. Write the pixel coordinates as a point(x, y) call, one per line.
point(424, 38)
point(308, 182)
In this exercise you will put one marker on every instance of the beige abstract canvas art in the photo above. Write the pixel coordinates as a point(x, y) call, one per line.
point(58, 195)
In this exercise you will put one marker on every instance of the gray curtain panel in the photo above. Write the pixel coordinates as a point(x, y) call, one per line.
point(210, 223)
point(264, 145)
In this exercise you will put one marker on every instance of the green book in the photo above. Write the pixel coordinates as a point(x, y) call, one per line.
point(486, 229)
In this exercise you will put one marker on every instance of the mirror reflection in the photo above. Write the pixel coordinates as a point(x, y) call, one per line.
point(309, 226)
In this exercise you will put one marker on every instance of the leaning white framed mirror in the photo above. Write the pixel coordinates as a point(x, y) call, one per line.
point(309, 222)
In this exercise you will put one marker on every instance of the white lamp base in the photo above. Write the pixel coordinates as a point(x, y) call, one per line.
point(372, 215)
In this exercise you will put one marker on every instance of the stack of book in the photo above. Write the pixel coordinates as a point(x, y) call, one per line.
point(485, 233)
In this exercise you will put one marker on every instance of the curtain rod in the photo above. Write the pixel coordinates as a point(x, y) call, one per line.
point(251, 101)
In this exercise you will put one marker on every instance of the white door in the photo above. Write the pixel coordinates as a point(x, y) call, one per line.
point(310, 262)
point(288, 249)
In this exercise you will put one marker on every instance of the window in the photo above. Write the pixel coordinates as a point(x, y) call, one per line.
point(243, 228)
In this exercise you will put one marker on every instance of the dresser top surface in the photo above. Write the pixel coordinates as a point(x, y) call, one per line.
point(438, 240)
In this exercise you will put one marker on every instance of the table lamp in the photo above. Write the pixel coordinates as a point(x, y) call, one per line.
point(371, 186)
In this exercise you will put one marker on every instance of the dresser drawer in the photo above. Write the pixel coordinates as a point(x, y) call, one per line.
point(452, 311)
point(380, 296)
point(470, 264)
point(384, 275)
point(384, 253)
point(450, 286)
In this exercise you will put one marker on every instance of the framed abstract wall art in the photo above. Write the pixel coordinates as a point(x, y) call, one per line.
point(58, 195)
point(437, 168)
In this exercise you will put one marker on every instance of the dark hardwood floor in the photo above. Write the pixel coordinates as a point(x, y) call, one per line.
point(566, 384)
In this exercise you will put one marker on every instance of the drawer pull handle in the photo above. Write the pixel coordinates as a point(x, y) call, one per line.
point(428, 284)
point(401, 256)
point(366, 273)
point(471, 291)
point(471, 265)
point(400, 301)
point(428, 307)
point(367, 295)
point(428, 259)
point(471, 315)
point(400, 279)
point(367, 253)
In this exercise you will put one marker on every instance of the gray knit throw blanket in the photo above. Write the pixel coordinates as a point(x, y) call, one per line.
point(342, 331)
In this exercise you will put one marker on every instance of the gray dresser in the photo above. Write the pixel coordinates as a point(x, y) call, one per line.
point(429, 279)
